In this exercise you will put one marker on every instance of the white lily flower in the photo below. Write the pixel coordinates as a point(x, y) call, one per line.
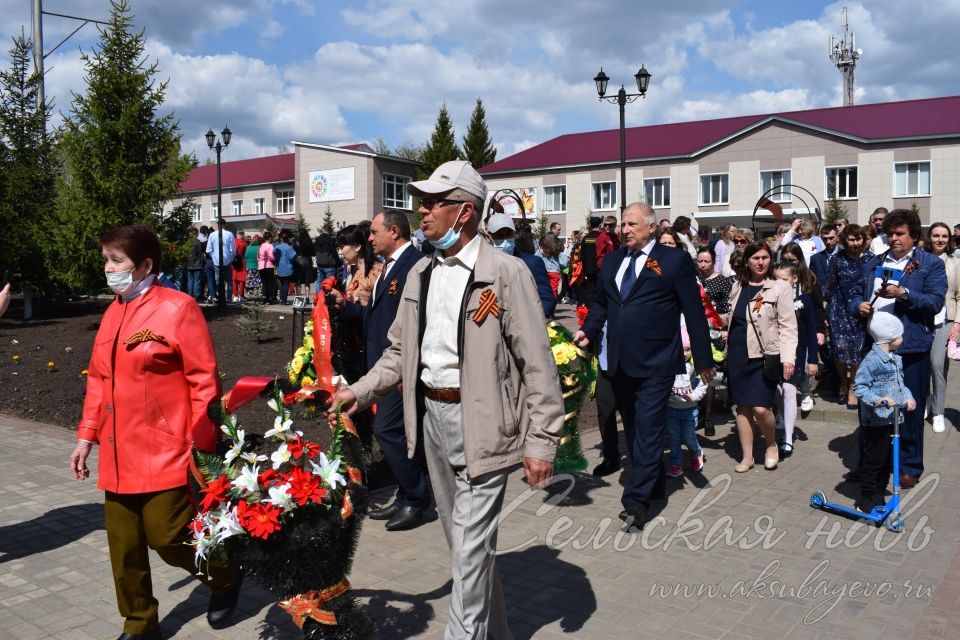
point(281, 428)
point(280, 498)
point(329, 471)
point(251, 457)
point(272, 403)
point(236, 449)
point(201, 546)
point(281, 455)
point(247, 480)
point(227, 525)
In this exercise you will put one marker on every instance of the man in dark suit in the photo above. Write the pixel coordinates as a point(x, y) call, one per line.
point(642, 290)
point(912, 285)
point(390, 239)
point(820, 265)
point(503, 235)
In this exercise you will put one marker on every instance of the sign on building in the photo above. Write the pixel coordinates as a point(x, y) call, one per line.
point(331, 184)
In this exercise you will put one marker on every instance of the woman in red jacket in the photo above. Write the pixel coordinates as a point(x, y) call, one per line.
point(152, 375)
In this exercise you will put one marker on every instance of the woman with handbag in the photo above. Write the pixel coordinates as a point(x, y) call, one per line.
point(761, 349)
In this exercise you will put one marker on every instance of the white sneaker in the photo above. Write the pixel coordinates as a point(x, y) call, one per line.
point(938, 425)
point(807, 403)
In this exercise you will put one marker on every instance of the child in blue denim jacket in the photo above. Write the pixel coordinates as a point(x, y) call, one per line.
point(879, 386)
point(688, 390)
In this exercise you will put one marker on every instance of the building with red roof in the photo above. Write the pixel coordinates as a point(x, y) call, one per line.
point(893, 154)
point(353, 180)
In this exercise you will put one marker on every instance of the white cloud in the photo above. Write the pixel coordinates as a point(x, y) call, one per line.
point(272, 29)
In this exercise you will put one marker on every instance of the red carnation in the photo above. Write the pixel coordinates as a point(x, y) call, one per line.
point(299, 448)
point(259, 519)
point(582, 311)
point(304, 486)
point(268, 477)
point(216, 492)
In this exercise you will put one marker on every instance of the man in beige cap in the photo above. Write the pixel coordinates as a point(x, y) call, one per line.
point(479, 383)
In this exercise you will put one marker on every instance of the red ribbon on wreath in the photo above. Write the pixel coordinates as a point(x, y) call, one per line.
point(322, 340)
point(309, 605)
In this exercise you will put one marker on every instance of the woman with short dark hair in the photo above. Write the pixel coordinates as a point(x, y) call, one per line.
point(762, 326)
point(152, 375)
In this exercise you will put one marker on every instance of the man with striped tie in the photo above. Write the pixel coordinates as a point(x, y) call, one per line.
point(643, 288)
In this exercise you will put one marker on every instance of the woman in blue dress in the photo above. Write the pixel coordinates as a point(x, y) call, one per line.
point(846, 330)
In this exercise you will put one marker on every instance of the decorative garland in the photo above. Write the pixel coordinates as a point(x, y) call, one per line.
point(578, 371)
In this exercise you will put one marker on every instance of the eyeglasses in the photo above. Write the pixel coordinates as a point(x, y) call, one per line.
point(612, 225)
point(432, 203)
point(739, 241)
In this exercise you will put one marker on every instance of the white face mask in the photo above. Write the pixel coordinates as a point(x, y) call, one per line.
point(122, 282)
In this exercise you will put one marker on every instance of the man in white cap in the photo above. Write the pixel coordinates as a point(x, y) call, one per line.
point(503, 234)
point(479, 383)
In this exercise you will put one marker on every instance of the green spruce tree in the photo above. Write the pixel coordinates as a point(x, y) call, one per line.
point(835, 211)
point(122, 157)
point(27, 172)
point(477, 145)
point(327, 224)
point(442, 146)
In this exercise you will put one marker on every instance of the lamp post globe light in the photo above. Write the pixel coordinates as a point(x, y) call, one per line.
point(622, 98)
point(217, 146)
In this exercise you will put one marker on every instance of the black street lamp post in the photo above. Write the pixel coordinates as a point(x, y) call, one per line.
point(622, 98)
point(215, 144)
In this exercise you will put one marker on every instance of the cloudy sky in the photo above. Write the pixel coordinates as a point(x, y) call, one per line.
point(333, 72)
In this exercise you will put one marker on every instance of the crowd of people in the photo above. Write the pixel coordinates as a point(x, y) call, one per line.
point(450, 329)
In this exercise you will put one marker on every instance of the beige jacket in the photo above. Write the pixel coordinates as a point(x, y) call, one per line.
point(952, 266)
point(512, 406)
point(775, 320)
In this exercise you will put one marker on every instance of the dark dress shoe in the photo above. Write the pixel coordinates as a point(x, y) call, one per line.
point(222, 605)
point(383, 513)
point(407, 517)
point(606, 467)
point(908, 481)
point(634, 516)
point(141, 636)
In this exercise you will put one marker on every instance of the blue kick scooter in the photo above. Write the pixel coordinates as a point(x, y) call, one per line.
point(888, 513)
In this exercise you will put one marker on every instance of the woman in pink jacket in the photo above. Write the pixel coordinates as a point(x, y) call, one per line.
point(152, 375)
point(266, 265)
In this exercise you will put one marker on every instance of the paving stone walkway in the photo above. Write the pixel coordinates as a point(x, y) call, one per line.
point(735, 555)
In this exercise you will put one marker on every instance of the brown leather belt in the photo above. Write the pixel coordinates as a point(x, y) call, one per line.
point(449, 395)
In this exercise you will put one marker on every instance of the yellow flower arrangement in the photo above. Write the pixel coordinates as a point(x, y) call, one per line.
point(564, 353)
point(551, 333)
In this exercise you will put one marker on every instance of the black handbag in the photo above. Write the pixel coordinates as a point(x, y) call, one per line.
point(772, 368)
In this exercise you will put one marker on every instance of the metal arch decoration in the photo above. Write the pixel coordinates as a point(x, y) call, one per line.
point(764, 200)
point(491, 208)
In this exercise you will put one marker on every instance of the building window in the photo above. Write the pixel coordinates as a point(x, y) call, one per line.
point(259, 206)
point(604, 196)
point(657, 192)
point(715, 189)
point(773, 179)
point(911, 179)
point(195, 211)
point(842, 182)
point(214, 210)
point(236, 207)
point(395, 194)
point(285, 201)
point(555, 199)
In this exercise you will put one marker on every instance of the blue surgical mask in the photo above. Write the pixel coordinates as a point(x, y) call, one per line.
point(450, 237)
point(505, 245)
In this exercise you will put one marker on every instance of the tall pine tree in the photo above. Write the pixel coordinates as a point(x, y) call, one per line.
point(477, 145)
point(27, 170)
point(122, 159)
point(442, 146)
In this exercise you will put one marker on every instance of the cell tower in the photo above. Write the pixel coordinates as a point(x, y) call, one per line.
point(844, 53)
